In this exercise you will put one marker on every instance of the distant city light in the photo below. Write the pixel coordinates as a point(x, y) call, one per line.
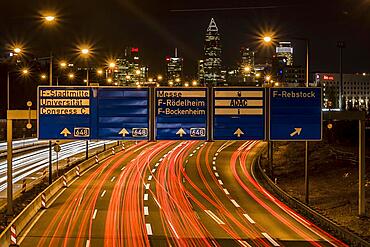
point(159, 77)
point(49, 18)
point(267, 39)
point(100, 72)
point(138, 72)
point(63, 64)
point(194, 83)
point(109, 80)
point(43, 76)
point(85, 51)
point(112, 65)
point(71, 76)
point(25, 71)
point(186, 84)
point(247, 69)
point(17, 50)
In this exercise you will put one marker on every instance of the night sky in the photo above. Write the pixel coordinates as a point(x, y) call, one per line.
point(156, 28)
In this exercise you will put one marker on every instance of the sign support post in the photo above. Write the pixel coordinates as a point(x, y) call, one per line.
point(210, 112)
point(13, 115)
point(152, 106)
point(361, 165)
point(50, 164)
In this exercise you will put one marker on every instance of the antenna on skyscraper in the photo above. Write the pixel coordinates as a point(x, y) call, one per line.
point(175, 52)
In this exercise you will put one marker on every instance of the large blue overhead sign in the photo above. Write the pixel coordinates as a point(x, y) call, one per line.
point(123, 113)
point(239, 114)
point(65, 113)
point(181, 113)
point(93, 113)
point(295, 114)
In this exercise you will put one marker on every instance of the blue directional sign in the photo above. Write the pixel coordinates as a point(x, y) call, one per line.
point(65, 113)
point(107, 113)
point(239, 113)
point(295, 114)
point(123, 113)
point(181, 113)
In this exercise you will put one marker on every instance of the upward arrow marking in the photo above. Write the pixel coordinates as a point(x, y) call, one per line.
point(123, 132)
point(238, 132)
point(65, 132)
point(181, 132)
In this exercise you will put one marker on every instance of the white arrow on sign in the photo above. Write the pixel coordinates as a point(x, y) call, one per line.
point(65, 132)
point(238, 132)
point(123, 132)
point(297, 131)
point(181, 132)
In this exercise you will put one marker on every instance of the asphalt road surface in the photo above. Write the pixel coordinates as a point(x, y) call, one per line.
point(172, 194)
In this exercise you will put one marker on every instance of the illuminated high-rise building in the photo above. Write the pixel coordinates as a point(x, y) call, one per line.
point(212, 55)
point(285, 51)
point(247, 58)
point(174, 69)
point(129, 70)
point(201, 71)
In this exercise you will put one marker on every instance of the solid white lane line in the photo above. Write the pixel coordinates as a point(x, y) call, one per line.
point(146, 210)
point(147, 186)
point(235, 203)
point(113, 179)
point(173, 229)
point(87, 243)
point(149, 229)
point(226, 192)
point(214, 217)
point(94, 215)
point(274, 243)
point(249, 218)
point(150, 177)
point(146, 197)
point(220, 182)
point(244, 243)
point(216, 174)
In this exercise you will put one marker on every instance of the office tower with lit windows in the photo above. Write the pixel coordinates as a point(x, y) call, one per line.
point(201, 71)
point(174, 69)
point(284, 51)
point(212, 55)
point(129, 70)
point(247, 60)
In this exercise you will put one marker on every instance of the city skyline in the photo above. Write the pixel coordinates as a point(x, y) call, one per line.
point(164, 29)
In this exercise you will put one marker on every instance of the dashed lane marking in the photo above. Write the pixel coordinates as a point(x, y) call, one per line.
point(235, 203)
point(146, 210)
point(249, 218)
point(274, 243)
point(146, 197)
point(226, 192)
point(94, 215)
point(149, 229)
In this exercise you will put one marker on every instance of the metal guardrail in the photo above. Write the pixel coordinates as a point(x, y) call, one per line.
point(327, 224)
point(34, 207)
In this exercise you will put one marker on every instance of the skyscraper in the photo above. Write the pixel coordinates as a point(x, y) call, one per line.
point(174, 69)
point(247, 58)
point(129, 71)
point(212, 55)
point(285, 51)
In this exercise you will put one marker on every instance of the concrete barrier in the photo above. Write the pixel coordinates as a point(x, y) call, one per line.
point(35, 206)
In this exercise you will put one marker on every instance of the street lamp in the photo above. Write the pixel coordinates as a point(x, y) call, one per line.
point(49, 18)
point(267, 39)
point(85, 52)
point(43, 76)
point(17, 50)
point(195, 83)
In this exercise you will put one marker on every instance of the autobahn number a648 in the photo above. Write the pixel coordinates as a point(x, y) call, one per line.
point(81, 132)
point(197, 132)
point(139, 132)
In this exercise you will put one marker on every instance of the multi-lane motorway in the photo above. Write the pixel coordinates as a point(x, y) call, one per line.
point(31, 164)
point(172, 194)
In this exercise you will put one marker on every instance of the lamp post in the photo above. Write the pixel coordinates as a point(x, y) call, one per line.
point(50, 20)
point(17, 51)
point(268, 40)
point(85, 52)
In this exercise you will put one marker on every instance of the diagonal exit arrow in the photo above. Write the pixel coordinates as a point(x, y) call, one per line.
point(181, 132)
point(297, 131)
point(123, 132)
point(65, 132)
point(238, 132)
